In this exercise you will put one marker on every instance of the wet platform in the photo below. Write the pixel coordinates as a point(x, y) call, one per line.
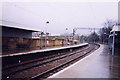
point(99, 64)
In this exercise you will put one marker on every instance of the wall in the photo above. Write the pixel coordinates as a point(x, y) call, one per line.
point(52, 43)
point(58, 42)
point(12, 45)
point(15, 32)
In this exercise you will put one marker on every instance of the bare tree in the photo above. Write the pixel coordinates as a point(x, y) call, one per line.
point(105, 31)
point(93, 37)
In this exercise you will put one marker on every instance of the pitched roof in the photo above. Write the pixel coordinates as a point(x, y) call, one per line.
point(115, 28)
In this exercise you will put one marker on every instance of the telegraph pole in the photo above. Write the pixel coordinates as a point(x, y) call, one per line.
point(80, 28)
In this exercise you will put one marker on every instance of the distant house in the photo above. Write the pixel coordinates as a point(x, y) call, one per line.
point(76, 39)
point(55, 41)
point(51, 41)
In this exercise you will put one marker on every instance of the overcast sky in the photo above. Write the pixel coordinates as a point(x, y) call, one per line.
point(61, 15)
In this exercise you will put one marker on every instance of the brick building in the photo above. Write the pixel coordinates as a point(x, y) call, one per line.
point(17, 40)
point(52, 41)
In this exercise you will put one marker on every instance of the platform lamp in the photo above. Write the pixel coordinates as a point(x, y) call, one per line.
point(46, 34)
point(113, 47)
point(73, 36)
point(41, 34)
point(66, 37)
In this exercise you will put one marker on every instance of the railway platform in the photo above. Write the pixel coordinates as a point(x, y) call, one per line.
point(44, 50)
point(99, 64)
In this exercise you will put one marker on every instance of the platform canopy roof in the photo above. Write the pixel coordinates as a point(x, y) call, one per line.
point(15, 17)
point(17, 26)
point(116, 28)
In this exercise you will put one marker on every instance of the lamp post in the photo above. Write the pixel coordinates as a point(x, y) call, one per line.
point(46, 34)
point(41, 39)
point(106, 37)
point(113, 46)
point(66, 35)
point(73, 36)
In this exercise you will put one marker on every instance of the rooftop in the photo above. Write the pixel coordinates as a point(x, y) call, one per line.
point(15, 27)
point(116, 28)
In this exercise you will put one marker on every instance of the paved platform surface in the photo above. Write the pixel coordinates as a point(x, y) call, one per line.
point(99, 64)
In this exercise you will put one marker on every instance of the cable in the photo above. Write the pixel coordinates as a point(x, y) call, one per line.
point(23, 9)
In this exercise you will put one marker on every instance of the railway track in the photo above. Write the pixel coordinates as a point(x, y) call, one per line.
point(10, 70)
point(38, 68)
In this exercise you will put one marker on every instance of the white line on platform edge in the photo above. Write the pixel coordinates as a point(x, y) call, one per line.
point(52, 76)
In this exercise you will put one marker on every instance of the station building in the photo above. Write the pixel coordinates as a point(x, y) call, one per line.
point(114, 40)
point(17, 40)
